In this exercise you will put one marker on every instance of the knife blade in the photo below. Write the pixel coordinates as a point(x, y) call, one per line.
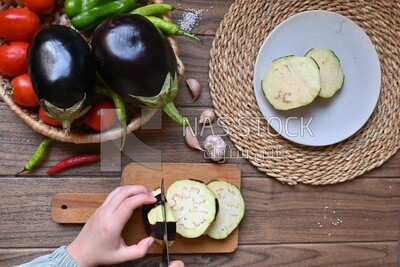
point(165, 250)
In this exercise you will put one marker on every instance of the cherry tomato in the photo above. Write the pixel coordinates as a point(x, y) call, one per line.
point(23, 93)
point(43, 7)
point(101, 116)
point(18, 24)
point(46, 119)
point(13, 61)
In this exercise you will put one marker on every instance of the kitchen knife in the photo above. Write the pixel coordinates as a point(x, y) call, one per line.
point(165, 251)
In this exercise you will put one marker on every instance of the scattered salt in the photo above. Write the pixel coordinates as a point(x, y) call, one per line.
point(190, 18)
point(336, 221)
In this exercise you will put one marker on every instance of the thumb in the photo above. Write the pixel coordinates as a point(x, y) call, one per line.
point(138, 250)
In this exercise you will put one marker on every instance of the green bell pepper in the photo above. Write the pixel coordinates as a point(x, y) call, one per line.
point(87, 14)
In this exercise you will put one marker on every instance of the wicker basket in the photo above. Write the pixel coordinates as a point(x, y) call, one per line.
point(244, 28)
point(78, 135)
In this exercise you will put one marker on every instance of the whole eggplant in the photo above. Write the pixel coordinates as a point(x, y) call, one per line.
point(136, 60)
point(63, 74)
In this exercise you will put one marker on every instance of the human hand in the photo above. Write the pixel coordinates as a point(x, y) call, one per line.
point(100, 241)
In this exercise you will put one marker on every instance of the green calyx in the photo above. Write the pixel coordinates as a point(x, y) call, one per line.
point(164, 99)
point(66, 116)
point(87, 14)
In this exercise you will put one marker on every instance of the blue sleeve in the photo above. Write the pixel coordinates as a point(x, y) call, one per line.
point(59, 258)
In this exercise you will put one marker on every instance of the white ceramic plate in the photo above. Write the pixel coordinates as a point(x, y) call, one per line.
point(324, 121)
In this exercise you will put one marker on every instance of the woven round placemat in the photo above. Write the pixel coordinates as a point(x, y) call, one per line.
point(81, 135)
point(233, 55)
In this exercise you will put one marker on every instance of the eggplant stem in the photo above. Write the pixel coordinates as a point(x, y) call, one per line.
point(119, 108)
point(66, 124)
point(174, 114)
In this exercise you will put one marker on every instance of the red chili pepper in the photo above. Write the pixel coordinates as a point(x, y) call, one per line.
point(72, 161)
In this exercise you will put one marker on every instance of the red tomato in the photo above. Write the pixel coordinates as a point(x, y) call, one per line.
point(23, 93)
point(13, 61)
point(43, 7)
point(18, 24)
point(46, 119)
point(101, 116)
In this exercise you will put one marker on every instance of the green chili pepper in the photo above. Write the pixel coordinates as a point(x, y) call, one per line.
point(85, 15)
point(37, 156)
point(153, 9)
point(120, 109)
point(169, 28)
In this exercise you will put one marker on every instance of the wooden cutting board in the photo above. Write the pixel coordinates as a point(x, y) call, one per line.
point(78, 207)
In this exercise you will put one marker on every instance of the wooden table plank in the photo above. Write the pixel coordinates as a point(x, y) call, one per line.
point(362, 210)
point(344, 254)
point(356, 223)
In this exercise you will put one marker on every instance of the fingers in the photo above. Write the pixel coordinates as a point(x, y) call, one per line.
point(115, 198)
point(176, 264)
point(111, 195)
point(136, 251)
point(125, 210)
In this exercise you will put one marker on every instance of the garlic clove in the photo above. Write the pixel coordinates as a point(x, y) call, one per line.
point(207, 116)
point(191, 139)
point(194, 87)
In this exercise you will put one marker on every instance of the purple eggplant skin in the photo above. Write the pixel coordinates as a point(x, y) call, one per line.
point(132, 56)
point(62, 70)
point(157, 230)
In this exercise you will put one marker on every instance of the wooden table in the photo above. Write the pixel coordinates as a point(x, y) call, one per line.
point(351, 224)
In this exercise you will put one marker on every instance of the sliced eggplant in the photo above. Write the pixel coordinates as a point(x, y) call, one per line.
point(193, 205)
point(331, 73)
point(291, 82)
point(231, 209)
point(153, 220)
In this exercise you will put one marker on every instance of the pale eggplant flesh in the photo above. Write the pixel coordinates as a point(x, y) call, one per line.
point(231, 209)
point(332, 76)
point(291, 82)
point(193, 205)
point(153, 220)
